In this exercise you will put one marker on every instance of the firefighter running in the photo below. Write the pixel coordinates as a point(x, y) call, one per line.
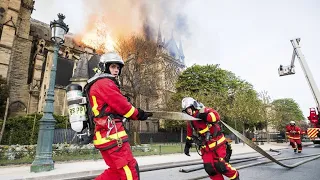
point(294, 134)
point(109, 107)
point(214, 144)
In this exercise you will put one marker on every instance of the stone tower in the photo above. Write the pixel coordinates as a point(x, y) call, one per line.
point(15, 49)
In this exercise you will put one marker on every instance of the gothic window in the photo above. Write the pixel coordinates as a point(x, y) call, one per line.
point(17, 106)
point(148, 126)
point(2, 12)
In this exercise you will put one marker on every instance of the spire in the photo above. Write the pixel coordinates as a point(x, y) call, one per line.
point(181, 50)
point(159, 40)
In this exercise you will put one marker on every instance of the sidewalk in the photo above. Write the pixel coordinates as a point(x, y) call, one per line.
point(67, 170)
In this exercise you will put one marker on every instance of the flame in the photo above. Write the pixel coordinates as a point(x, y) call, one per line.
point(99, 37)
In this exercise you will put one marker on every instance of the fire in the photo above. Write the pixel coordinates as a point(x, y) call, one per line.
point(99, 37)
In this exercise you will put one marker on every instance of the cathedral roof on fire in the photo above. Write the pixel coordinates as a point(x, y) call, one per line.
point(171, 46)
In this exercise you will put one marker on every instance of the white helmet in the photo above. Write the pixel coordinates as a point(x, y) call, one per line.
point(110, 58)
point(188, 102)
point(292, 123)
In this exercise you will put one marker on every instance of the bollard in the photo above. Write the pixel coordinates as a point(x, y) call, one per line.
point(160, 149)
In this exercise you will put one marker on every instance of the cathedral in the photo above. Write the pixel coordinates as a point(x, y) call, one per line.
point(26, 53)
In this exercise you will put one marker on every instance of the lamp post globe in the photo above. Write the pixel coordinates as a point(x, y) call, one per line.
point(43, 159)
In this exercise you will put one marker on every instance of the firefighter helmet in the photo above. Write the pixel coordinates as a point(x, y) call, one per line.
point(292, 123)
point(190, 102)
point(110, 58)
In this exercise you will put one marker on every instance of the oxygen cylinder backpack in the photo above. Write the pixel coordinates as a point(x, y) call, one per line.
point(80, 115)
point(80, 110)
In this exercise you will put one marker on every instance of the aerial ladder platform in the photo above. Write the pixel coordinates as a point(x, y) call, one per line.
point(314, 132)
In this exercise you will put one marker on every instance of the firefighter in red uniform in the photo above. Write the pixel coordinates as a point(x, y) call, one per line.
point(109, 108)
point(213, 147)
point(294, 134)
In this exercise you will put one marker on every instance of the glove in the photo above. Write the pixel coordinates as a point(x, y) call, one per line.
point(187, 147)
point(142, 115)
point(203, 116)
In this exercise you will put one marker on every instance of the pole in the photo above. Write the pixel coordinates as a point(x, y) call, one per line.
point(4, 119)
point(43, 160)
point(235, 127)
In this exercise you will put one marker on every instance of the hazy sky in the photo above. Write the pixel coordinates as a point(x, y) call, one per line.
point(248, 37)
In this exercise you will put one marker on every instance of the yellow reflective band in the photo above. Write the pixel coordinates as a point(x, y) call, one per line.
point(234, 176)
point(128, 172)
point(212, 145)
point(204, 130)
point(232, 168)
point(129, 113)
point(213, 117)
point(189, 138)
point(95, 106)
point(111, 137)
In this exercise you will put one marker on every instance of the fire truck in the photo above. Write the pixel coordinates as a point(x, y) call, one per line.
point(314, 131)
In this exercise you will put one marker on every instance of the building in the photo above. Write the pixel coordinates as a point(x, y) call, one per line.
point(26, 53)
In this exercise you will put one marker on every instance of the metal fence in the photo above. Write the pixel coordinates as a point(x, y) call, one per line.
point(69, 136)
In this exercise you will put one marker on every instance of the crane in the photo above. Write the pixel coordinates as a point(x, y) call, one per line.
point(313, 133)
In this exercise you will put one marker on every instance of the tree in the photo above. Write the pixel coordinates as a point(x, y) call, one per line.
point(246, 108)
point(144, 73)
point(4, 94)
point(139, 75)
point(217, 88)
point(286, 110)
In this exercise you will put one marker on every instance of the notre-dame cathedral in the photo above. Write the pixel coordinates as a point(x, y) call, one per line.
point(26, 53)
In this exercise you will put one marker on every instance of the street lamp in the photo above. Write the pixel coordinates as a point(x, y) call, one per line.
point(43, 160)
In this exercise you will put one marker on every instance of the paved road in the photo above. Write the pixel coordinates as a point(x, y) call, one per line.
point(269, 171)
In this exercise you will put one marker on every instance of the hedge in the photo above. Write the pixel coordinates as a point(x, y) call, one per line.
point(24, 129)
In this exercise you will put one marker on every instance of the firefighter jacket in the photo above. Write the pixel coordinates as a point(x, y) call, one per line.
point(207, 125)
point(109, 107)
point(293, 132)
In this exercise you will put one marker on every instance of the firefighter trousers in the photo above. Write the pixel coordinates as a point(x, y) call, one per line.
point(215, 164)
point(122, 164)
point(293, 143)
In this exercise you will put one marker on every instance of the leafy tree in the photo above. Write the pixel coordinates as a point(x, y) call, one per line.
point(246, 108)
point(286, 110)
point(217, 88)
point(4, 94)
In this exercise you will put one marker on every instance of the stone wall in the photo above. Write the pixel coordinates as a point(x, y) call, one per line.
point(18, 76)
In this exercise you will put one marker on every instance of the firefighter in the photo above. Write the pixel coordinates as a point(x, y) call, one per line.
point(294, 134)
point(213, 143)
point(109, 108)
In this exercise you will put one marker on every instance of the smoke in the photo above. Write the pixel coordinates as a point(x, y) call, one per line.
point(126, 17)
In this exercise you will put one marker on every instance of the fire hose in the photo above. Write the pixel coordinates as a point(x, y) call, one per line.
point(259, 150)
point(232, 161)
point(265, 154)
point(317, 155)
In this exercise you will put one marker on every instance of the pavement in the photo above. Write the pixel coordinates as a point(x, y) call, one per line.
point(74, 170)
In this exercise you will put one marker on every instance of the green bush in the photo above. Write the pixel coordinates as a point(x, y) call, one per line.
point(24, 129)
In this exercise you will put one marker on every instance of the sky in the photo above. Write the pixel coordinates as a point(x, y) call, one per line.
point(248, 37)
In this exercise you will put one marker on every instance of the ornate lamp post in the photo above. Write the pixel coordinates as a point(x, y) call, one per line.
point(43, 160)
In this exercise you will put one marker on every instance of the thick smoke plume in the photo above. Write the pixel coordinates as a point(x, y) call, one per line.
point(125, 17)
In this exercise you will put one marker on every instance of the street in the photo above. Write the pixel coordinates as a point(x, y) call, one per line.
point(269, 171)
